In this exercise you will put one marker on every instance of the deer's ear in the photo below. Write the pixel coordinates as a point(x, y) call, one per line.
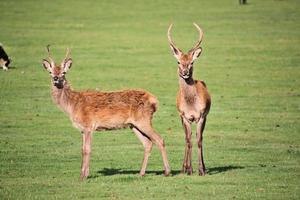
point(176, 52)
point(47, 65)
point(196, 53)
point(67, 64)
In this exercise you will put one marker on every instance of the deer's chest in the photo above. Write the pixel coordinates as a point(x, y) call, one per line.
point(190, 107)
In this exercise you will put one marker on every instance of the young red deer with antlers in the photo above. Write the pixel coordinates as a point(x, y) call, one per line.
point(92, 111)
point(193, 101)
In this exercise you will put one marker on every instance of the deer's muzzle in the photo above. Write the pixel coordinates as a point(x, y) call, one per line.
point(58, 82)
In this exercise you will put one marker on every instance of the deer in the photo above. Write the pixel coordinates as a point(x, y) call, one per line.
point(91, 111)
point(193, 101)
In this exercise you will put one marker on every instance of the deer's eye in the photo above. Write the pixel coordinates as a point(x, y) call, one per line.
point(178, 63)
point(192, 63)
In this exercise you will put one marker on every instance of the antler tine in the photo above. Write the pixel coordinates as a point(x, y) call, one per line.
point(49, 55)
point(169, 36)
point(67, 53)
point(48, 49)
point(200, 36)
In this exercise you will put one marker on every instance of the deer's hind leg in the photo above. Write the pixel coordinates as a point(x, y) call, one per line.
point(147, 148)
point(150, 133)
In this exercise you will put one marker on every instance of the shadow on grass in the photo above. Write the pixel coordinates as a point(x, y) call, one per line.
point(218, 170)
point(113, 171)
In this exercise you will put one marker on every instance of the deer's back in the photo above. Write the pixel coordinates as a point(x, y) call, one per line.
point(111, 110)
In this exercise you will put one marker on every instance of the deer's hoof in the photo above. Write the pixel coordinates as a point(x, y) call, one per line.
point(167, 173)
point(189, 172)
point(84, 174)
point(142, 174)
point(201, 173)
point(82, 178)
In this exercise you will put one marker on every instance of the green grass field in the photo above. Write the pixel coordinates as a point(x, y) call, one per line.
point(250, 62)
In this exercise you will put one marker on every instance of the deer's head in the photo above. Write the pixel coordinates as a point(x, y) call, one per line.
point(186, 61)
point(57, 72)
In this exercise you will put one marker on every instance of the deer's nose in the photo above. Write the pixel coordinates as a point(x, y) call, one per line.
point(185, 71)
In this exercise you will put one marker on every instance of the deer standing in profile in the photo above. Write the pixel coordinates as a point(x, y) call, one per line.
point(92, 111)
point(193, 101)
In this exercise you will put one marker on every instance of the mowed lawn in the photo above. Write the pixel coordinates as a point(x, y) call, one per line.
point(250, 62)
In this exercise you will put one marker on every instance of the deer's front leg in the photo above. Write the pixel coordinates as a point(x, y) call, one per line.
point(200, 129)
point(86, 152)
point(187, 161)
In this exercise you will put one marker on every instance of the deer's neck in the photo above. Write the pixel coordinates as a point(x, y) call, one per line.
point(187, 89)
point(64, 97)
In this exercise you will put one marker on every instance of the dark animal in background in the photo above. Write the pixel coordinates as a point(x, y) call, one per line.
point(243, 2)
point(4, 59)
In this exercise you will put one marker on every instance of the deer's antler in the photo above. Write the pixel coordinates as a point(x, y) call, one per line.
point(170, 39)
point(197, 45)
point(67, 54)
point(49, 56)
